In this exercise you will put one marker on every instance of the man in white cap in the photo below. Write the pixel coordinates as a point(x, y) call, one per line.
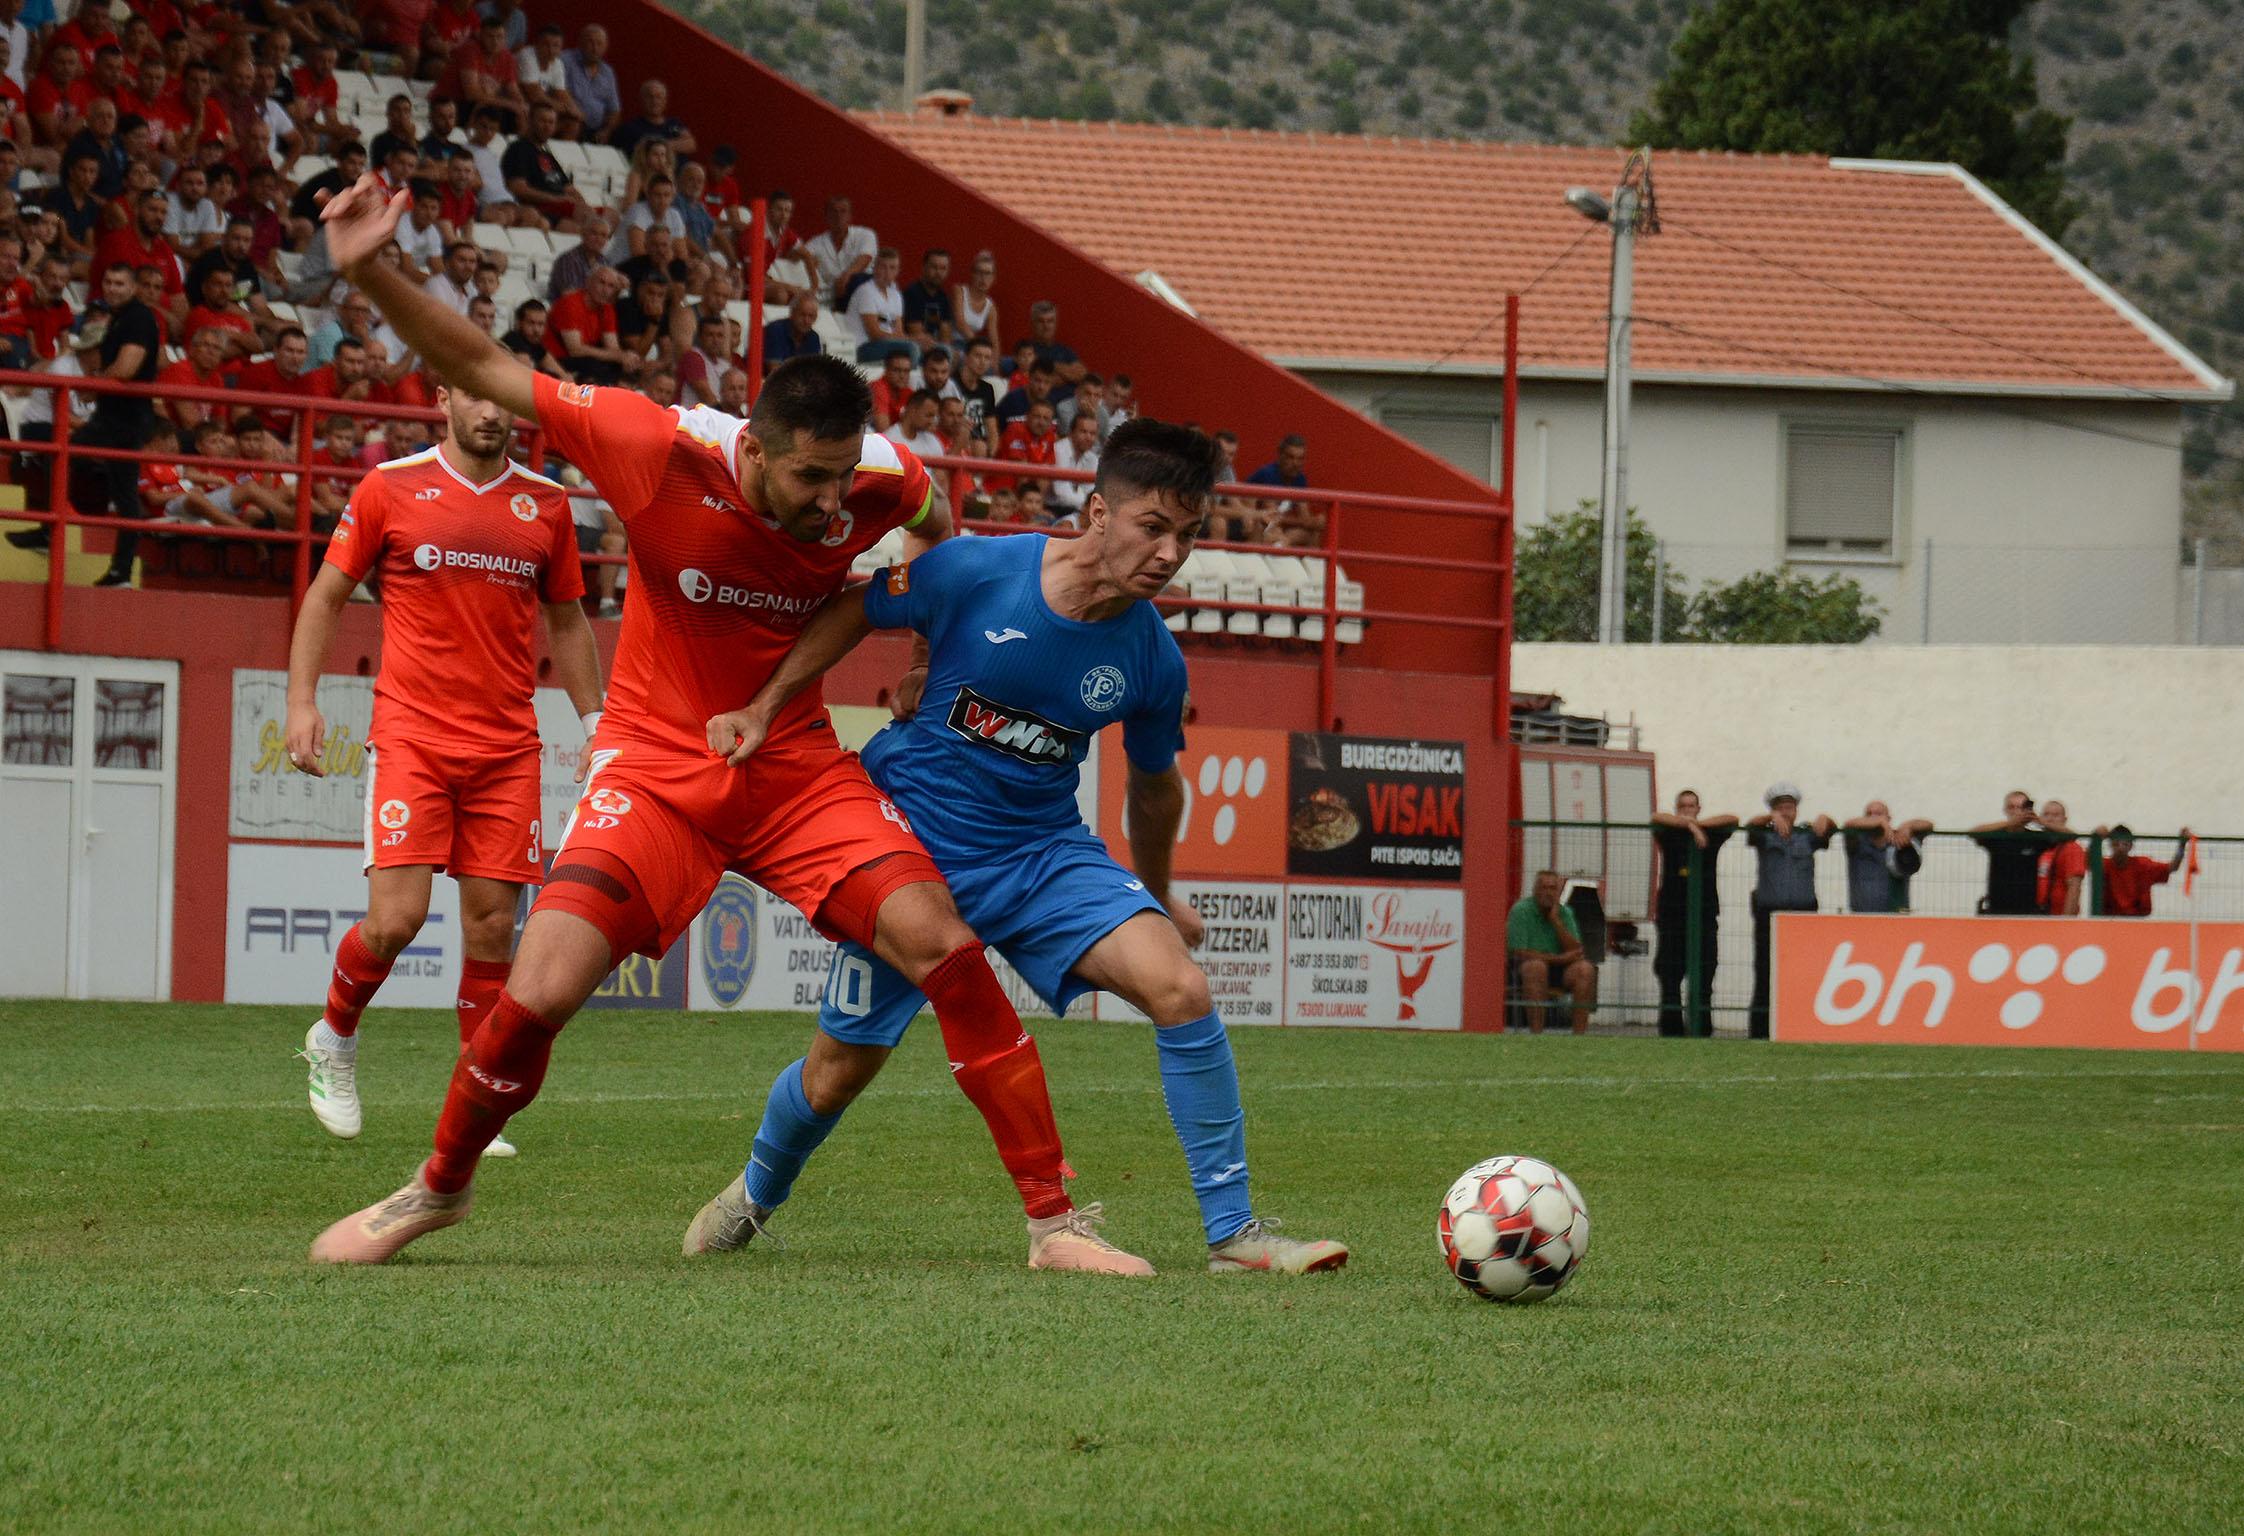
point(1785, 882)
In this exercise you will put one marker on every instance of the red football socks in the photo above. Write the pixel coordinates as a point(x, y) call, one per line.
point(998, 1068)
point(498, 1073)
point(358, 973)
point(481, 982)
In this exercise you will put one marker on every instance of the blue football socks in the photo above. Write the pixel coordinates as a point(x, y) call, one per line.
point(790, 1132)
point(1200, 1083)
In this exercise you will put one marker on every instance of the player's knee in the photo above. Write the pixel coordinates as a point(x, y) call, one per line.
point(1179, 997)
point(487, 935)
point(387, 933)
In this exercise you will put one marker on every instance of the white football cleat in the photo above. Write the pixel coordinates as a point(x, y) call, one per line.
point(501, 1147)
point(729, 1221)
point(334, 1085)
point(1259, 1245)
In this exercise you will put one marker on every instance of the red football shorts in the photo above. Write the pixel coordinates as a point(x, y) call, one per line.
point(657, 827)
point(468, 815)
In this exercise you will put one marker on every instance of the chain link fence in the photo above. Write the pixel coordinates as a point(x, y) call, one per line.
point(1619, 861)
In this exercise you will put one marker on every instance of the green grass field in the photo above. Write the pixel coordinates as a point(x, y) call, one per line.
point(1831, 1289)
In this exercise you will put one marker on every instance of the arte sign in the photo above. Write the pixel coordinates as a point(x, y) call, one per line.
point(2106, 983)
point(287, 909)
point(1369, 808)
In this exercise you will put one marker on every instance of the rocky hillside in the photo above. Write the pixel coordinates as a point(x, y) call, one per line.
point(2155, 89)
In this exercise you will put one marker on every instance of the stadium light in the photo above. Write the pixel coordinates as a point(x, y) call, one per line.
point(1630, 210)
point(1588, 204)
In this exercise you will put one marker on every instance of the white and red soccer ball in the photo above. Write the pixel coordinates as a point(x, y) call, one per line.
point(1513, 1229)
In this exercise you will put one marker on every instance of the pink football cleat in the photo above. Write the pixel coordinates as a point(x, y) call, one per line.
point(1072, 1242)
point(374, 1235)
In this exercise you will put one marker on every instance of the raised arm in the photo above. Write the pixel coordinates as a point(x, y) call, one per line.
point(359, 223)
point(833, 632)
point(307, 653)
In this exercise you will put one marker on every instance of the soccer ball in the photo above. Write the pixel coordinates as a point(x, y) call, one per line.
point(1513, 1229)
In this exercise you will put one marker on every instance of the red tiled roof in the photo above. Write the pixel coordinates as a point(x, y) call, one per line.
point(1314, 248)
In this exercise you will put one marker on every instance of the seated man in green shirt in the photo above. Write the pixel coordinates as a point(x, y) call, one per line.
point(1543, 942)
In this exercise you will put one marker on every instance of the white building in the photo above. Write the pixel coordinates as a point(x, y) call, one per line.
point(1870, 367)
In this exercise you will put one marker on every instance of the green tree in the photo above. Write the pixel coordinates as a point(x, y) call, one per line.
point(1889, 79)
point(1784, 608)
point(1554, 581)
point(1554, 594)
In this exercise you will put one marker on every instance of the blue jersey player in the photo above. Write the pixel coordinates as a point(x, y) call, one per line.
point(1033, 645)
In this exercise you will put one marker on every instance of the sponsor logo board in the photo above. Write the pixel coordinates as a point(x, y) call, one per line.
point(1371, 955)
point(2101, 983)
point(286, 910)
point(1234, 820)
point(1371, 808)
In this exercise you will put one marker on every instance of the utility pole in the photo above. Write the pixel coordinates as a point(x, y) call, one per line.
point(1632, 209)
point(915, 51)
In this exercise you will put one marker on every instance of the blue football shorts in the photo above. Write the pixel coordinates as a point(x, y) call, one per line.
point(1042, 908)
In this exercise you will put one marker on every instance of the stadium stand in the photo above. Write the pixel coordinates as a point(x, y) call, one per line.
point(319, 108)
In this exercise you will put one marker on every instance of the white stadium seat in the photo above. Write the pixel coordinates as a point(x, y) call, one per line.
point(1211, 570)
point(1243, 585)
point(527, 241)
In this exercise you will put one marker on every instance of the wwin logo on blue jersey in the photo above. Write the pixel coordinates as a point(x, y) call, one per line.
point(728, 941)
point(1017, 733)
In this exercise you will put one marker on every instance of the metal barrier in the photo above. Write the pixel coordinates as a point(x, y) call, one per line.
point(1953, 882)
point(305, 539)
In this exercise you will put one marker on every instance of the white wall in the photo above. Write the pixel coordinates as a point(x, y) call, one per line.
point(2146, 735)
point(2051, 521)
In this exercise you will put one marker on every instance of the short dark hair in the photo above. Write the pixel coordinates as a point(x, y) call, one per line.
point(821, 396)
point(2122, 833)
point(918, 395)
point(394, 100)
point(1042, 365)
point(1292, 440)
point(932, 251)
point(354, 147)
point(1143, 454)
point(287, 331)
point(525, 307)
point(460, 245)
point(350, 341)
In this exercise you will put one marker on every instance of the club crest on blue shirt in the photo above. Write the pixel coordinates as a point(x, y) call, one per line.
point(1102, 688)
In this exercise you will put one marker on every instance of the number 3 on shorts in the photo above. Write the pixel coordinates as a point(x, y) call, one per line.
point(849, 985)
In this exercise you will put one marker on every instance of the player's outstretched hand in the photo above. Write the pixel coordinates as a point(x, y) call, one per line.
point(360, 221)
point(904, 702)
point(736, 734)
point(1187, 919)
point(307, 739)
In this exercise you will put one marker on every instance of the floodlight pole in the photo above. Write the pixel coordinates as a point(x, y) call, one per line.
point(915, 51)
point(1612, 570)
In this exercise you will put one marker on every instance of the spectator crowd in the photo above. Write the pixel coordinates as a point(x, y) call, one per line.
point(2037, 864)
point(162, 170)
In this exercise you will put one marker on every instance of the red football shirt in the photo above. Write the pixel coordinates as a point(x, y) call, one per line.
point(464, 568)
point(2067, 861)
point(320, 93)
point(2128, 882)
point(719, 594)
point(573, 311)
point(126, 245)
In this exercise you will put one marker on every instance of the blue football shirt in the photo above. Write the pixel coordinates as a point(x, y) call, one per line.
point(1015, 692)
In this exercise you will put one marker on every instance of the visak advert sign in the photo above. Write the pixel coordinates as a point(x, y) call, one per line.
point(1369, 808)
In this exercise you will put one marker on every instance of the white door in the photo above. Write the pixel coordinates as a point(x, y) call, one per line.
point(88, 763)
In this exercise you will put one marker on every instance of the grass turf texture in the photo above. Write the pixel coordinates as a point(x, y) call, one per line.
point(1830, 1289)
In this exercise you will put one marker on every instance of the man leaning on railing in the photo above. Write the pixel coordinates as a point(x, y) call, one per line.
point(1689, 842)
point(130, 345)
point(1785, 882)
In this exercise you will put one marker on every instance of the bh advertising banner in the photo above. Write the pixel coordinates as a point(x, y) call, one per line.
point(2107, 983)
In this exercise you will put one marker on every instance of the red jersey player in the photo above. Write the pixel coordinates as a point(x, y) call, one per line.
point(740, 531)
point(469, 546)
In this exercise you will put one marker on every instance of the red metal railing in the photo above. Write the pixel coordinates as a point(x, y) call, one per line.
point(1338, 504)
